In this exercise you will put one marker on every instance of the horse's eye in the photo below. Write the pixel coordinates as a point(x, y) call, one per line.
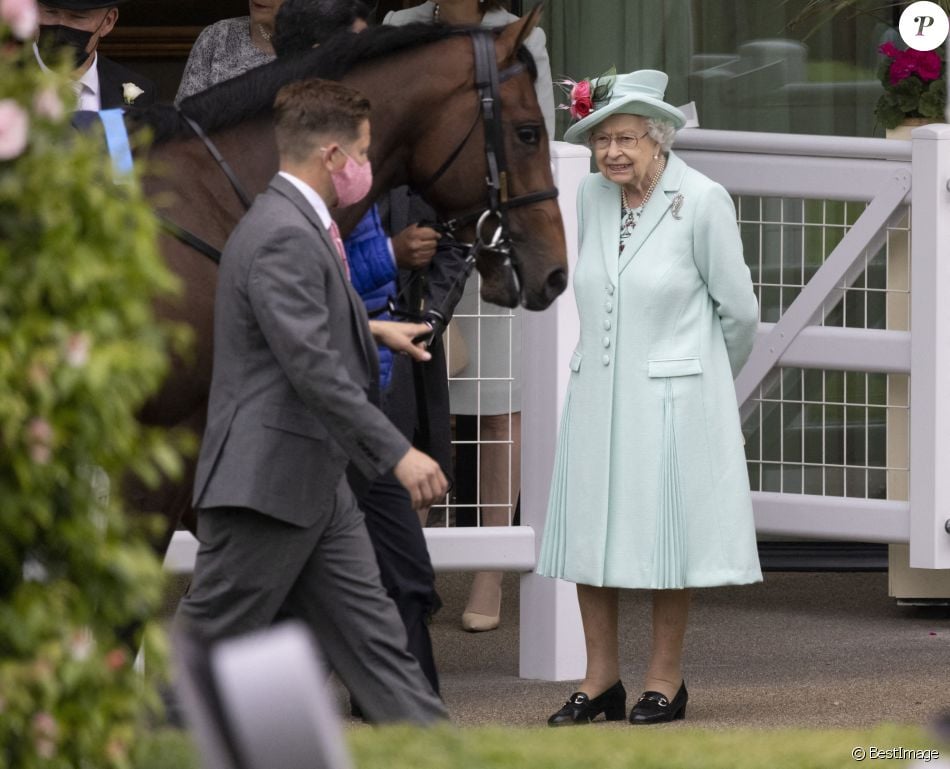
point(529, 134)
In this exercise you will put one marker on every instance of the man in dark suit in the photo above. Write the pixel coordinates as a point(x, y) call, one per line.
point(79, 25)
point(294, 362)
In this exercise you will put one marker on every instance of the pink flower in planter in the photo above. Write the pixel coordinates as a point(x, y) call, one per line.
point(925, 64)
point(928, 65)
point(14, 127)
point(21, 16)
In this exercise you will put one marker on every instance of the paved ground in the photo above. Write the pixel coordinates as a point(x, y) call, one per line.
point(801, 649)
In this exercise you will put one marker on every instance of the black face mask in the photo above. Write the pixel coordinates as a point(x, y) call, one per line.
point(52, 37)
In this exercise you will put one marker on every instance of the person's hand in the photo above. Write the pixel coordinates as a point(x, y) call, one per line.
point(399, 337)
point(422, 478)
point(415, 246)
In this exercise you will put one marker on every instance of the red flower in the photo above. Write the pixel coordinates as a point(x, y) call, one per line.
point(925, 64)
point(581, 102)
point(928, 65)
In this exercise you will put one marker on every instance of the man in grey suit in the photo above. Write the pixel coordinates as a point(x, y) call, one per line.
point(294, 362)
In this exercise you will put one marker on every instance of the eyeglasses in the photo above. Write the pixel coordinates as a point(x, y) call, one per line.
point(624, 141)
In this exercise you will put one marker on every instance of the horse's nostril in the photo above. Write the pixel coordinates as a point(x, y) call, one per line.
point(555, 284)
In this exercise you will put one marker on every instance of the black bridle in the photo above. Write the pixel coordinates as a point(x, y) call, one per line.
point(488, 80)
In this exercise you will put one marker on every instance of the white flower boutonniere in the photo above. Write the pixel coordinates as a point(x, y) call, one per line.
point(130, 92)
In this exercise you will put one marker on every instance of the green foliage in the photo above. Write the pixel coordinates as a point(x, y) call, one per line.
point(80, 351)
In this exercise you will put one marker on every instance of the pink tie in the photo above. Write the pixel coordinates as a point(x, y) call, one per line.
point(338, 242)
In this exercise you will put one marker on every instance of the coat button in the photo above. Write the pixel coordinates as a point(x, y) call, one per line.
point(606, 341)
point(606, 360)
point(610, 289)
point(609, 306)
point(607, 324)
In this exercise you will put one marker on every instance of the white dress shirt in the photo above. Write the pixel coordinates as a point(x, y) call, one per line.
point(312, 196)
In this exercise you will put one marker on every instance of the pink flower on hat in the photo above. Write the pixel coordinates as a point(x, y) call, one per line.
point(21, 16)
point(582, 103)
point(14, 127)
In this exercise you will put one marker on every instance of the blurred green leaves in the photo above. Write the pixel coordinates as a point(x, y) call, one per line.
point(80, 353)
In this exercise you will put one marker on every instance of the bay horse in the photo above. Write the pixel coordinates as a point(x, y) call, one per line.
point(425, 109)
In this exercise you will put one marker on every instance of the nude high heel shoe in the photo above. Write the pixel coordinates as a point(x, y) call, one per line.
point(478, 621)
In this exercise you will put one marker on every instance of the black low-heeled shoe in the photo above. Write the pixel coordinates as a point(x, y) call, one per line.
point(581, 709)
point(655, 708)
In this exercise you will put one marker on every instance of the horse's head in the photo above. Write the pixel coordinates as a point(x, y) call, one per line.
point(535, 271)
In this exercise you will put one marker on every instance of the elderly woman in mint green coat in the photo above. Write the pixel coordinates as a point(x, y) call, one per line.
point(650, 487)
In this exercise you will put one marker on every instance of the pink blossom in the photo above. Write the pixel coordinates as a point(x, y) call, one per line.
point(581, 102)
point(116, 659)
point(14, 126)
point(77, 349)
point(21, 16)
point(39, 438)
point(47, 104)
point(44, 724)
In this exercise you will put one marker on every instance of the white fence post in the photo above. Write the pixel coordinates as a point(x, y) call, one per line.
point(552, 642)
point(930, 349)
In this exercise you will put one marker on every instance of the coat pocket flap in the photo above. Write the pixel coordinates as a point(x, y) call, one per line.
point(295, 421)
point(664, 367)
point(576, 361)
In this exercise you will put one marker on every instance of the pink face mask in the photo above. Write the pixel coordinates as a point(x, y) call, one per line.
point(352, 182)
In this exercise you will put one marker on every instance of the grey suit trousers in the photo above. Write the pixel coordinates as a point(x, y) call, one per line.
point(252, 568)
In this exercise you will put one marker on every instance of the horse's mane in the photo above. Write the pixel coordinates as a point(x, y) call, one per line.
point(233, 101)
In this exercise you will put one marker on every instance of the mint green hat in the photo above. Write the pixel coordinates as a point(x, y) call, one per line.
point(636, 93)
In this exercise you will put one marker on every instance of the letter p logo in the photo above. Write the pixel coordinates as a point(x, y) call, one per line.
point(924, 25)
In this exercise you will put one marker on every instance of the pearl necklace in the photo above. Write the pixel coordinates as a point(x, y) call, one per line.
point(264, 33)
point(646, 197)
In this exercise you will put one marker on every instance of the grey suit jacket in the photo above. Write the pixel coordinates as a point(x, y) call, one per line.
point(293, 363)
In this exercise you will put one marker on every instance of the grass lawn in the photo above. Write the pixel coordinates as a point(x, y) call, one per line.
point(598, 746)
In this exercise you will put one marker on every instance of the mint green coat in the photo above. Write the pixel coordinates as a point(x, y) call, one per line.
point(650, 487)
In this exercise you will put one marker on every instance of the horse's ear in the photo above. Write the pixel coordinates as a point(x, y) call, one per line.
point(514, 35)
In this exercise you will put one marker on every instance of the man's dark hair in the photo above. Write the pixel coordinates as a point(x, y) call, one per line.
point(311, 111)
point(302, 24)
